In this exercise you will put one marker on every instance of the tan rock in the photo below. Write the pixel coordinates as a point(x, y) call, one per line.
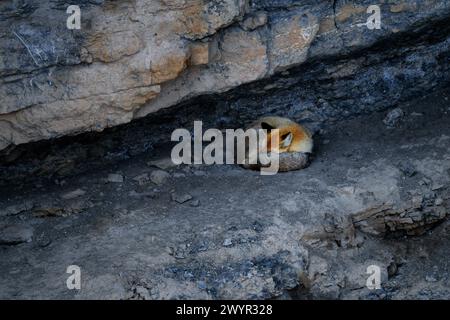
point(404, 6)
point(291, 39)
point(348, 10)
point(257, 20)
point(112, 47)
point(199, 54)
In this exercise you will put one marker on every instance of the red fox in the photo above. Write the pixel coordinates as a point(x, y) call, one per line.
point(294, 143)
point(292, 136)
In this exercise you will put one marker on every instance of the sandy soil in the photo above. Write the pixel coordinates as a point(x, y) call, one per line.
point(373, 195)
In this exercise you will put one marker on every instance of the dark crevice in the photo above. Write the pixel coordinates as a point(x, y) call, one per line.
point(334, 14)
point(309, 83)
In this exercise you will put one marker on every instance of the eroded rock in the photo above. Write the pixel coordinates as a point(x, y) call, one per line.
point(134, 58)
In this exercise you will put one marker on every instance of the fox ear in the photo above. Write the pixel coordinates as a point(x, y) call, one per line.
point(266, 126)
point(286, 140)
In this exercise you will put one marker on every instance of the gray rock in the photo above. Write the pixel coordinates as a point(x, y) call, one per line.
point(335, 73)
point(254, 21)
point(115, 178)
point(15, 234)
point(179, 254)
point(201, 285)
point(159, 177)
point(163, 163)
point(179, 175)
point(256, 237)
point(170, 250)
point(195, 203)
point(181, 197)
point(142, 293)
point(148, 194)
point(407, 167)
point(199, 173)
point(393, 117)
point(431, 278)
point(44, 241)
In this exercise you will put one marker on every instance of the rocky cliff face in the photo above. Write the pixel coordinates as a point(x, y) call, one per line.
point(133, 58)
point(377, 191)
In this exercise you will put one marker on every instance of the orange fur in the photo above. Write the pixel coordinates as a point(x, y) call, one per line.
point(300, 139)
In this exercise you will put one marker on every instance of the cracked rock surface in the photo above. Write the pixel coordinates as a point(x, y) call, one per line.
point(373, 195)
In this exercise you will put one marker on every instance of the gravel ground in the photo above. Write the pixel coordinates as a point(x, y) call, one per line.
point(376, 193)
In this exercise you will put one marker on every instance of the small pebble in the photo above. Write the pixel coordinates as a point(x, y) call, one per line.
point(201, 285)
point(194, 203)
point(179, 175)
point(164, 163)
point(393, 117)
point(227, 242)
point(159, 177)
point(73, 194)
point(407, 168)
point(15, 234)
point(199, 173)
point(181, 198)
point(115, 178)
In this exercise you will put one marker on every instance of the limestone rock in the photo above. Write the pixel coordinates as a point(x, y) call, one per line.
point(115, 178)
point(130, 59)
point(15, 234)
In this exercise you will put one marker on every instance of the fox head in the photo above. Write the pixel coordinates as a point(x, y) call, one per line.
point(292, 137)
